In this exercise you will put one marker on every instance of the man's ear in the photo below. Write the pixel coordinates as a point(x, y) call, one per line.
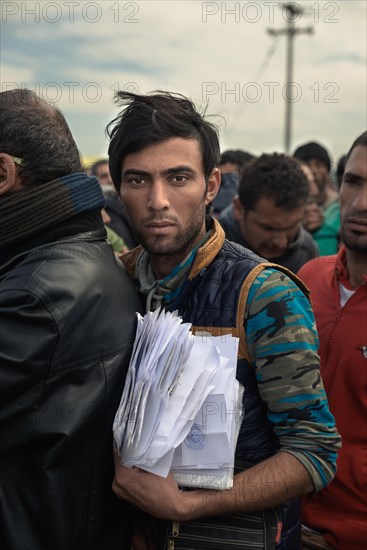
point(9, 179)
point(238, 209)
point(212, 186)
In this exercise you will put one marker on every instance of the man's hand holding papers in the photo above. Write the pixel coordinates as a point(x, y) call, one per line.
point(181, 407)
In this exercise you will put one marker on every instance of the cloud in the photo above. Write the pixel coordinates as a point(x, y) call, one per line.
point(218, 53)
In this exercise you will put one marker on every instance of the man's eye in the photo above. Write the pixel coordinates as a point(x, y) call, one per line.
point(136, 182)
point(351, 180)
point(179, 179)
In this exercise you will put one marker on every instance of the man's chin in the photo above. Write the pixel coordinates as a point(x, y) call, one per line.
point(356, 243)
point(271, 255)
point(162, 247)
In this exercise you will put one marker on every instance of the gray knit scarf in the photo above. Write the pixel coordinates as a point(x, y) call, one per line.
point(165, 291)
point(27, 212)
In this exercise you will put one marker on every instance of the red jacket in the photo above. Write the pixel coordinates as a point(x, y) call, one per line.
point(339, 510)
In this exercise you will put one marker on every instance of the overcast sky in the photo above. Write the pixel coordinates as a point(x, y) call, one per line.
point(76, 54)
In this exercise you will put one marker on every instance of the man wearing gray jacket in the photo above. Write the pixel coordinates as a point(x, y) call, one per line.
point(266, 214)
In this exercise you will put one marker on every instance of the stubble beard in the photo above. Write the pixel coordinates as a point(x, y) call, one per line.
point(182, 244)
point(354, 242)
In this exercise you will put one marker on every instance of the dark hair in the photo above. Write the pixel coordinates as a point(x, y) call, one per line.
point(340, 170)
point(361, 140)
point(94, 168)
point(313, 150)
point(156, 117)
point(276, 176)
point(236, 156)
point(36, 132)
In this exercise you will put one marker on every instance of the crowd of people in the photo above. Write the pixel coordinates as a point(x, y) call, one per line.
point(263, 203)
point(271, 249)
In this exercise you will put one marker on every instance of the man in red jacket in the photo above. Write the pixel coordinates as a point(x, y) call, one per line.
point(337, 515)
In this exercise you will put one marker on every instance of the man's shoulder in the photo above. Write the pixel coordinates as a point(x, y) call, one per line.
point(317, 267)
point(240, 252)
point(231, 226)
point(73, 261)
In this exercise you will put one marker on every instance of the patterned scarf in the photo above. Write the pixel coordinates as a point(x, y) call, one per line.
point(27, 212)
point(163, 292)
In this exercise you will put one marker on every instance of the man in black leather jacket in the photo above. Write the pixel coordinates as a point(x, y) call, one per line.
point(67, 311)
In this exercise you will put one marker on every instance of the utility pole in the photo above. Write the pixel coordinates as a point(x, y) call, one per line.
point(293, 12)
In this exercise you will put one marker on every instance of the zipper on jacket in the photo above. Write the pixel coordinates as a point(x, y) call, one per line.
point(175, 528)
point(175, 532)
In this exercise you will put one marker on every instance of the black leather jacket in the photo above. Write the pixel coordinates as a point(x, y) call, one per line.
point(67, 323)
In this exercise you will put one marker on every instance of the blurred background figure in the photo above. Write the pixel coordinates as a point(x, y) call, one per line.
point(232, 162)
point(325, 207)
point(114, 208)
point(318, 159)
point(101, 170)
point(118, 244)
point(268, 211)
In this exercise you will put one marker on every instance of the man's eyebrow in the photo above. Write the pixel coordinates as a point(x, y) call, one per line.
point(178, 169)
point(167, 172)
point(134, 172)
point(352, 175)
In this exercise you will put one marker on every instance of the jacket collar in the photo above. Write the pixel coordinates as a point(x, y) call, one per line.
point(341, 269)
point(88, 225)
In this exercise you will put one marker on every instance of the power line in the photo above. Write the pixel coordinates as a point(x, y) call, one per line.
point(293, 12)
point(268, 56)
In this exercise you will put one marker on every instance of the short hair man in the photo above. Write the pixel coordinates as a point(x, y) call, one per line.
point(339, 293)
point(67, 314)
point(326, 235)
point(267, 212)
point(318, 159)
point(114, 208)
point(163, 159)
point(231, 165)
point(101, 170)
point(234, 160)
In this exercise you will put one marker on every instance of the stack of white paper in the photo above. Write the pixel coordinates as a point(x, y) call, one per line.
point(206, 456)
point(180, 409)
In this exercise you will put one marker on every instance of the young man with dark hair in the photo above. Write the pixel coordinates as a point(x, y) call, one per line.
point(326, 235)
point(164, 157)
point(67, 312)
point(318, 159)
point(114, 213)
point(337, 515)
point(231, 164)
point(267, 212)
point(101, 170)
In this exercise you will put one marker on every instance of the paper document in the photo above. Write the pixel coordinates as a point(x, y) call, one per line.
point(181, 407)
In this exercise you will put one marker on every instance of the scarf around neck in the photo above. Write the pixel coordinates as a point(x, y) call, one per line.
point(33, 209)
point(164, 291)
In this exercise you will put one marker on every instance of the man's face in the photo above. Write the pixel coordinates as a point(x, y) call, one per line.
point(314, 190)
point(165, 193)
point(320, 172)
point(268, 229)
point(353, 201)
point(103, 175)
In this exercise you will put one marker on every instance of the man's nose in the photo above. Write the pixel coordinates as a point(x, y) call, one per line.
point(360, 202)
point(158, 196)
